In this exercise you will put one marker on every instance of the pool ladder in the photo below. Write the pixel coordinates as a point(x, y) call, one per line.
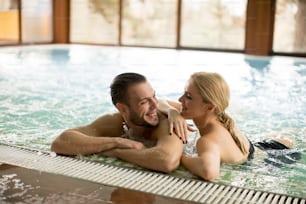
point(145, 181)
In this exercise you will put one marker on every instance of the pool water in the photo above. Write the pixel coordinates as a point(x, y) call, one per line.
point(46, 89)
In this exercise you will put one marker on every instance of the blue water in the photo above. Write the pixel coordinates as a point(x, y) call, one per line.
point(46, 89)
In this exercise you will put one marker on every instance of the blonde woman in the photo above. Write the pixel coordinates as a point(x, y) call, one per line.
point(204, 101)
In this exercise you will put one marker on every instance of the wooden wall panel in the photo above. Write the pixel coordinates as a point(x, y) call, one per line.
point(61, 14)
point(259, 27)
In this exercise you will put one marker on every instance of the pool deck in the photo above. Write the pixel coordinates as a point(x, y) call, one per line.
point(22, 185)
point(32, 176)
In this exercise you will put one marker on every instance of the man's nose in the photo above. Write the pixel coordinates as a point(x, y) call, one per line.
point(154, 103)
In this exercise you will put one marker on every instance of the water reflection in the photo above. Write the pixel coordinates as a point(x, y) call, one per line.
point(257, 63)
point(125, 196)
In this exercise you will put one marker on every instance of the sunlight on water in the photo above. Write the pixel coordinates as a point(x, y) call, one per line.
point(44, 90)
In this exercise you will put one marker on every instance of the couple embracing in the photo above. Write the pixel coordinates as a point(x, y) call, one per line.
point(151, 133)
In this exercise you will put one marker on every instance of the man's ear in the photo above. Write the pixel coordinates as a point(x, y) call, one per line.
point(122, 108)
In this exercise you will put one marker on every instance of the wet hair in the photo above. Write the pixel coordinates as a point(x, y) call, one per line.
point(214, 90)
point(120, 85)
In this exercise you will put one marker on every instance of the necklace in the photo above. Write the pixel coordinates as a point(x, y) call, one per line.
point(129, 135)
point(125, 130)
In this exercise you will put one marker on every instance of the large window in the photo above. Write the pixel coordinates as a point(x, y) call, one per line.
point(37, 21)
point(218, 24)
point(203, 24)
point(9, 22)
point(290, 26)
point(94, 21)
point(151, 23)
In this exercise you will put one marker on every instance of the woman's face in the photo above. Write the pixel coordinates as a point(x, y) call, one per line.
point(192, 103)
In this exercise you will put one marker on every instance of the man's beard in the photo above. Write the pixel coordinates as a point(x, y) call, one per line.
point(136, 120)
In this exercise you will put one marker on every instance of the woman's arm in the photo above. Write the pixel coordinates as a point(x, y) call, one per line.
point(176, 122)
point(166, 106)
point(207, 164)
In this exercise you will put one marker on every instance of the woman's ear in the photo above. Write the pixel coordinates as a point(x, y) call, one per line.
point(211, 107)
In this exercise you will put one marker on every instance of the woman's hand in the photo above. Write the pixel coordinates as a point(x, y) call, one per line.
point(178, 124)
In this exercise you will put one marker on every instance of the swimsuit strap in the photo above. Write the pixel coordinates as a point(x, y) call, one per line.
point(251, 151)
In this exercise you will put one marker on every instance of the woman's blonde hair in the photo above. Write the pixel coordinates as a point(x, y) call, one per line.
point(214, 90)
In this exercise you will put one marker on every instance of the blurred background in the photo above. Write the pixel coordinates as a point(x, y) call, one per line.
point(260, 27)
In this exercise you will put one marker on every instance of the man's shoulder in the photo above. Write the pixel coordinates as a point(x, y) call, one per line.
point(162, 127)
point(109, 124)
point(114, 115)
point(161, 133)
point(162, 117)
point(163, 121)
point(110, 118)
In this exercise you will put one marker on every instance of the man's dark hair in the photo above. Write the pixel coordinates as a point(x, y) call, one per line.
point(120, 85)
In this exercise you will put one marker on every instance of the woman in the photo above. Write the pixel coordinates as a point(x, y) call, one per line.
point(205, 100)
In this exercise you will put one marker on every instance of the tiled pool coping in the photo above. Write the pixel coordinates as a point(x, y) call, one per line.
point(157, 184)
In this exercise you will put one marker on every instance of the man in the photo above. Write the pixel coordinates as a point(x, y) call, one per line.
point(124, 134)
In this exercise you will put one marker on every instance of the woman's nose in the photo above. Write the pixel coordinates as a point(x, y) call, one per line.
point(180, 99)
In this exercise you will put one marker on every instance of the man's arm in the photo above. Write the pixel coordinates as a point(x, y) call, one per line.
point(164, 157)
point(102, 134)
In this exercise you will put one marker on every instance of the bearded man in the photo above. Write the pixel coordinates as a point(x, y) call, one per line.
point(138, 133)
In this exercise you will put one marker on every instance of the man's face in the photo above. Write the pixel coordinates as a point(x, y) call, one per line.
point(142, 105)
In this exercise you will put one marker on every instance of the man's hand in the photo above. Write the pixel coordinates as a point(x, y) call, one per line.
point(123, 143)
point(109, 153)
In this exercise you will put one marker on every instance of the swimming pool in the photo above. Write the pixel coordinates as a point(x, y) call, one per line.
point(46, 89)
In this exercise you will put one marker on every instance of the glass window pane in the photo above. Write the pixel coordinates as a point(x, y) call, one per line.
point(290, 26)
point(94, 21)
point(37, 24)
point(150, 23)
point(218, 24)
point(9, 29)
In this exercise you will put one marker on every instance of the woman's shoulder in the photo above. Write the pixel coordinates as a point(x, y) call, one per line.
point(216, 134)
point(208, 138)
